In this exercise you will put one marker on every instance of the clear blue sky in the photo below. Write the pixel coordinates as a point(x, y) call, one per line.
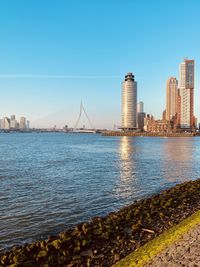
point(53, 54)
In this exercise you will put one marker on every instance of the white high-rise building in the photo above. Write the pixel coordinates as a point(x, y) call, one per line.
point(140, 107)
point(129, 103)
point(28, 124)
point(1, 124)
point(6, 123)
point(187, 93)
point(171, 98)
point(13, 122)
point(22, 123)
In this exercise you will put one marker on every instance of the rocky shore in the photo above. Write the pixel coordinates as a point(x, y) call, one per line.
point(104, 241)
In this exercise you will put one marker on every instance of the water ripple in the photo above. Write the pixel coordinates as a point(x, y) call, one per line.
point(50, 182)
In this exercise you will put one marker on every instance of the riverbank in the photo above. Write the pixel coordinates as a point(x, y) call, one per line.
point(117, 133)
point(104, 241)
point(178, 246)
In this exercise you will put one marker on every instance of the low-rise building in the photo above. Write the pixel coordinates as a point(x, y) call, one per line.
point(157, 126)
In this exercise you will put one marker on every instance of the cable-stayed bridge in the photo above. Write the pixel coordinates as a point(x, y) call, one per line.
point(83, 130)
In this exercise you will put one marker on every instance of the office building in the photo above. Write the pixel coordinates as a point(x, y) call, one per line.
point(6, 123)
point(140, 120)
point(1, 124)
point(129, 103)
point(186, 86)
point(140, 115)
point(13, 122)
point(28, 124)
point(140, 107)
point(22, 123)
point(171, 98)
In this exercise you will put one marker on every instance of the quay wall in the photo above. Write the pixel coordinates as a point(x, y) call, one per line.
point(115, 133)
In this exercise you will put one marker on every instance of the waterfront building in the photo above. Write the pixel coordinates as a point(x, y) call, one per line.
point(6, 123)
point(140, 120)
point(12, 117)
point(178, 113)
point(28, 124)
point(140, 115)
point(140, 107)
point(129, 103)
point(22, 123)
point(164, 115)
point(13, 122)
point(171, 98)
point(1, 124)
point(186, 86)
point(157, 126)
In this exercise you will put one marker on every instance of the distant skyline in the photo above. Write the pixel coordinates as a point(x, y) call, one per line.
point(55, 54)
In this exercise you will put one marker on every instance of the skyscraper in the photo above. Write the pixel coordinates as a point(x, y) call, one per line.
point(187, 93)
point(171, 98)
point(22, 123)
point(6, 123)
point(140, 115)
point(28, 124)
point(140, 107)
point(1, 124)
point(13, 122)
point(129, 103)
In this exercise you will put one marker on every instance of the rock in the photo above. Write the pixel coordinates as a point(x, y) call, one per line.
point(84, 242)
point(116, 257)
point(56, 243)
point(87, 253)
point(42, 254)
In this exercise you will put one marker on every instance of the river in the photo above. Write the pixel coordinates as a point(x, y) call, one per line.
point(51, 181)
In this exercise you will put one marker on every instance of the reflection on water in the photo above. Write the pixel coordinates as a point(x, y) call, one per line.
point(49, 182)
point(126, 163)
point(178, 156)
point(127, 166)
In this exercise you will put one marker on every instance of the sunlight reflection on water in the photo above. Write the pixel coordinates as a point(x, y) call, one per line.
point(50, 182)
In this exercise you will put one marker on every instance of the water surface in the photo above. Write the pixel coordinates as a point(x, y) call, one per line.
point(51, 181)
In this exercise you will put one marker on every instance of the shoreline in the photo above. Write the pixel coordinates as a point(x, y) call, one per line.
point(145, 134)
point(169, 247)
point(104, 241)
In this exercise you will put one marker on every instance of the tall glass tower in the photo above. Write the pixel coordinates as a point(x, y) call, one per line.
point(129, 103)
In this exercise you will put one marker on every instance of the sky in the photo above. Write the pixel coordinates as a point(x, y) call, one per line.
point(55, 54)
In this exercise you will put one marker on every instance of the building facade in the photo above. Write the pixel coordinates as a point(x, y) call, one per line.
point(129, 103)
point(28, 125)
point(22, 123)
point(171, 98)
point(1, 124)
point(140, 107)
point(140, 119)
point(157, 126)
point(6, 123)
point(13, 122)
point(186, 86)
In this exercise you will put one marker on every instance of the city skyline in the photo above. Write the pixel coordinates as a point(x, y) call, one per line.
point(12, 124)
point(49, 65)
